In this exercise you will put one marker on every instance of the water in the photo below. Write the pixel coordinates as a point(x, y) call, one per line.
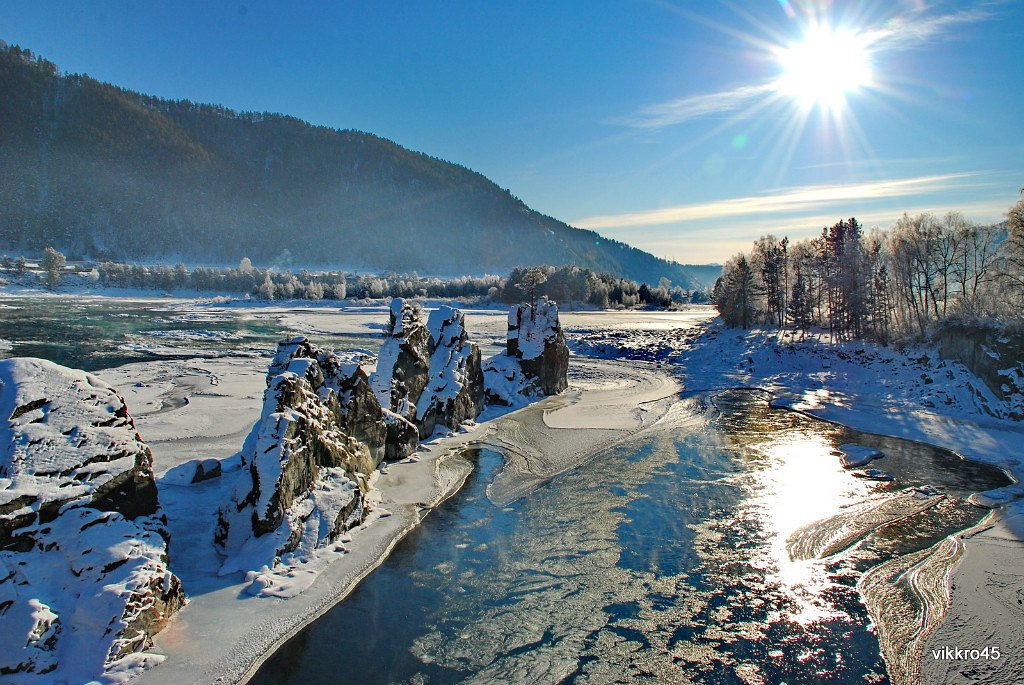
point(97, 333)
point(663, 559)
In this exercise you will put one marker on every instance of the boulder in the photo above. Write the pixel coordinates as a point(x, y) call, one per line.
point(84, 580)
point(535, 338)
point(207, 469)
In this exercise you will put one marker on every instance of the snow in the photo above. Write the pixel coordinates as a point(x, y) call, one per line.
point(856, 456)
point(53, 409)
point(911, 394)
point(70, 601)
point(448, 362)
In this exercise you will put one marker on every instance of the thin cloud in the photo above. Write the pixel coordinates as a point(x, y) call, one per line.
point(904, 33)
point(786, 201)
point(695, 106)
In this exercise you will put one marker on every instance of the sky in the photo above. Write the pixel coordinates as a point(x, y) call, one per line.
point(686, 128)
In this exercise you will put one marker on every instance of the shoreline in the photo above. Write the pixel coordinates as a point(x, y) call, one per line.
point(856, 394)
point(819, 382)
point(224, 636)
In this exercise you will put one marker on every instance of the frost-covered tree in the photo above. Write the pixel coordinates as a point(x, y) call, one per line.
point(1013, 248)
point(532, 278)
point(267, 288)
point(798, 309)
point(53, 267)
point(735, 293)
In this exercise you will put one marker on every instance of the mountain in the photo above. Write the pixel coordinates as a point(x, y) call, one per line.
point(103, 172)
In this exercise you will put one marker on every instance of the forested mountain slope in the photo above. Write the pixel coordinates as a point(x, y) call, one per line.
point(103, 172)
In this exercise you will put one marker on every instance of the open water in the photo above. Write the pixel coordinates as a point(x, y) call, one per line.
point(721, 545)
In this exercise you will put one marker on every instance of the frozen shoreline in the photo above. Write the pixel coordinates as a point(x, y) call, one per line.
point(855, 384)
point(223, 633)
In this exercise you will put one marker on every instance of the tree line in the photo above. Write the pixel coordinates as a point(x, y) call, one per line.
point(570, 284)
point(567, 284)
point(879, 284)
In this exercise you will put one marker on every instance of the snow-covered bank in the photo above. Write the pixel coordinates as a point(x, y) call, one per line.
point(224, 632)
point(913, 395)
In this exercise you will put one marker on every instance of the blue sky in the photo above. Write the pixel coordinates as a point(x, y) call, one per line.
point(685, 128)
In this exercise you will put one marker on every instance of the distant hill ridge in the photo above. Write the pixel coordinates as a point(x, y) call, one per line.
point(108, 173)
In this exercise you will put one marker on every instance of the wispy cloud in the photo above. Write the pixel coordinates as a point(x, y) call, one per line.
point(907, 32)
point(695, 106)
point(785, 201)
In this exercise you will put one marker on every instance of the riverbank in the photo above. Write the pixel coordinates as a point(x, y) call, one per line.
point(913, 395)
point(201, 409)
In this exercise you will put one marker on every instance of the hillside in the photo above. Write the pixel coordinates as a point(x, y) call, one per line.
point(103, 172)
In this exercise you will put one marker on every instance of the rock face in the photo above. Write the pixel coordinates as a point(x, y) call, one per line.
point(429, 374)
point(535, 338)
point(455, 389)
point(84, 582)
point(403, 368)
point(994, 353)
point(304, 475)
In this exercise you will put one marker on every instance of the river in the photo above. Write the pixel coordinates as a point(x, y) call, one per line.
point(722, 544)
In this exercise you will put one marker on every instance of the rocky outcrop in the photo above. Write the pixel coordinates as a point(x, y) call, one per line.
point(994, 352)
point(403, 363)
point(304, 475)
point(84, 582)
point(454, 393)
point(535, 338)
point(429, 374)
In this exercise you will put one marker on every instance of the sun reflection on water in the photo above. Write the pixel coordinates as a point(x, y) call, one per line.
point(801, 482)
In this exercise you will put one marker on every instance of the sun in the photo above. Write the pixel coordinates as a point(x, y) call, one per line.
point(823, 68)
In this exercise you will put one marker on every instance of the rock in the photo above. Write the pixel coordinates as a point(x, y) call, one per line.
point(84, 581)
point(455, 390)
point(207, 469)
point(427, 374)
point(535, 338)
point(304, 475)
point(403, 363)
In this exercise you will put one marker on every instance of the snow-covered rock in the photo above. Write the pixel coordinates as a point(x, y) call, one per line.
point(857, 456)
point(84, 581)
point(304, 475)
point(455, 390)
point(429, 374)
point(536, 340)
point(403, 363)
